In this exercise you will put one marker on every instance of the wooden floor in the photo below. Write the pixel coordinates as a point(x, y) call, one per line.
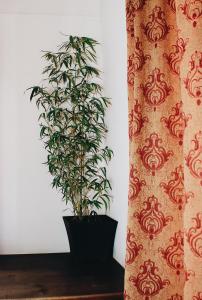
point(56, 277)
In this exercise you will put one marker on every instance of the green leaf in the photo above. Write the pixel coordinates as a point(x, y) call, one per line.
point(72, 126)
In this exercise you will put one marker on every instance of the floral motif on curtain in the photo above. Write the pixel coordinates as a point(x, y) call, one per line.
point(164, 235)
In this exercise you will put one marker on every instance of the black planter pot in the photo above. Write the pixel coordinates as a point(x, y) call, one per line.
point(91, 238)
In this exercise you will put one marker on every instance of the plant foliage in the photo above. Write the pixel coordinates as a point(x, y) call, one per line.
point(72, 111)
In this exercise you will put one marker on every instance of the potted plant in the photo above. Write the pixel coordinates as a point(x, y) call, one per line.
point(72, 111)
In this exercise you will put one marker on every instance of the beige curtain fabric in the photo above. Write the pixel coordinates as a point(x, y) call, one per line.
point(164, 237)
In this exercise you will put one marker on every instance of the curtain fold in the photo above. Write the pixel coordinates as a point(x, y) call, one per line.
point(164, 234)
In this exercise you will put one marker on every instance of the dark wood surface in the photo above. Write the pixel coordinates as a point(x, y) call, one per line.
point(55, 276)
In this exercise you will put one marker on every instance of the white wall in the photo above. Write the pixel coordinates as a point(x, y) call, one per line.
point(30, 210)
point(115, 82)
point(75, 8)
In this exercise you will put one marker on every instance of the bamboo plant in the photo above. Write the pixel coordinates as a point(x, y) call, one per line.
point(72, 125)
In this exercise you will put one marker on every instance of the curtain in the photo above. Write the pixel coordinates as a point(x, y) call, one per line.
point(164, 234)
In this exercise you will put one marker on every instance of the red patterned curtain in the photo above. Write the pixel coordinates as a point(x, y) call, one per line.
point(164, 237)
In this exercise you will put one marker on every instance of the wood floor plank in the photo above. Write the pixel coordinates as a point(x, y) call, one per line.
point(110, 296)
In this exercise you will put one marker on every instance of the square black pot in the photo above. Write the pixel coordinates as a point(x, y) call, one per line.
point(91, 238)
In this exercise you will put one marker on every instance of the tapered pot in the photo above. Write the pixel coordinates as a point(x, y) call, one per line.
point(91, 238)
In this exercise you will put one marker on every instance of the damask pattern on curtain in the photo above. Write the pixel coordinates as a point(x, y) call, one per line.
point(164, 234)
